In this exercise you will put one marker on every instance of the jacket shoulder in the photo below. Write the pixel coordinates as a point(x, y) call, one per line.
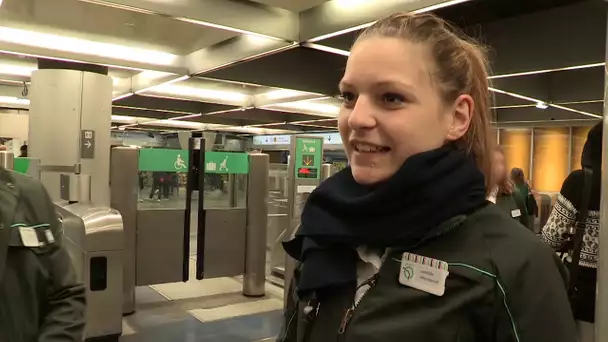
point(531, 278)
point(25, 183)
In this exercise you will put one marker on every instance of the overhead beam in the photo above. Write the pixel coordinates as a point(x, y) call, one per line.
point(232, 51)
point(235, 16)
point(340, 16)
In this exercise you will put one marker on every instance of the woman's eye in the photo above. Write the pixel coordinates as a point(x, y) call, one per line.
point(392, 98)
point(347, 97)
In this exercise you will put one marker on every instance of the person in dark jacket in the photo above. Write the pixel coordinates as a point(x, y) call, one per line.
point(505, 195)
point(402, 245)
point(562, 217)
point(40, 297)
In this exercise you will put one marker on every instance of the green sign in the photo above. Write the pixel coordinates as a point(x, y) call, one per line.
point(308, 157)
point(226, 162)
point(163, 160)
point(21, 165)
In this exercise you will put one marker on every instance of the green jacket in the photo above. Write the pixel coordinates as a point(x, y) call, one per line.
point(504, 285)
point(40, 298)
point(515, 207)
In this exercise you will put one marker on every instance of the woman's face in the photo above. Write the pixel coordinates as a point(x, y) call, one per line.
point(498, 166)
point(392, 108)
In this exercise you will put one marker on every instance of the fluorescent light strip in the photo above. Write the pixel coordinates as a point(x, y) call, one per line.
point(86, 47)
point(537, 101)
point(20, 54)
point(179, 79)
point(123, 96)
point(326, 49)
point(439, 6)
point(575, 110)
point(154, 109)
point(228, 28)
point(545, 71)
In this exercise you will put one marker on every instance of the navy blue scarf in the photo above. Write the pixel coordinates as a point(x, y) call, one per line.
point(341, 215)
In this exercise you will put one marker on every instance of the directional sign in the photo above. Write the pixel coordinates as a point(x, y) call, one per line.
point(308, 157)
point(87, 144)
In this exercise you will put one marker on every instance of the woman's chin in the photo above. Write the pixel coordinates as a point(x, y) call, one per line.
point(367, 175)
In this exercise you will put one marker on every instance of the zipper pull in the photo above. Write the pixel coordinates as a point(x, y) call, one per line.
point(345, 320)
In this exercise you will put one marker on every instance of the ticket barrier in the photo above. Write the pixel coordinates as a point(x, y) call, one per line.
point(159, 236)
point(93, 237)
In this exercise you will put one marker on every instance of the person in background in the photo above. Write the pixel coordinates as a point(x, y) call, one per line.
point(23, 151)
point(505, 195)
point(40, 296)
point(562, 218)
point(519, 179)
point(402, 245)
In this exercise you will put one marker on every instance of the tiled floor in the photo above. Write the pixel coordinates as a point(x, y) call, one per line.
point(208, 310)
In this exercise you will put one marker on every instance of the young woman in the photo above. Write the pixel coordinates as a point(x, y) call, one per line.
point(402, 244)
point(562, 217)
point(505, 195)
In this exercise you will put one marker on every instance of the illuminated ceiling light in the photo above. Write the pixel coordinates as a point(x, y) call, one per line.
point(320, 108)
point(86, 47)
point(179, 79)
point(575, 111)
point(120, 97)
point(439, 6)
point(124, 119)
point(186, 116)
point(283, 94)
point(341, 32)
point(16, 70)
point(537, 101)
point(545, 71)
point(542, 105)
point(204, 94)
point(14, 100)
point(1, 2)
point(227, 28)
point(327, 49)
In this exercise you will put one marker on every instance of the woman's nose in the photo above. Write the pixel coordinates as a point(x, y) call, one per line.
point(362, 115)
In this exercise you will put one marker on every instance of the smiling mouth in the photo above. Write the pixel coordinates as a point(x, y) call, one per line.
point(369, 148)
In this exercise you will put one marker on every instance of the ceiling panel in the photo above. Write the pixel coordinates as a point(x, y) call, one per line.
point(167, 104)
point(292, 5)
point(111, 25)
point(298, 69)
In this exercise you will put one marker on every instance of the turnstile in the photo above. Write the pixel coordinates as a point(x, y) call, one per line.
point(93, 237)
point(160, 234)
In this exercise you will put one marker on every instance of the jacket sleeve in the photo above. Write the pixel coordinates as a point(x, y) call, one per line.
point(64, 317)
point(533, 304)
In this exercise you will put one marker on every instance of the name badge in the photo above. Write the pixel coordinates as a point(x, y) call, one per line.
point(424, 274)
point(515, 213)
point(29, 238)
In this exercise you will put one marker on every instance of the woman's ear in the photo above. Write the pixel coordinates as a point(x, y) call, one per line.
point(462, 113)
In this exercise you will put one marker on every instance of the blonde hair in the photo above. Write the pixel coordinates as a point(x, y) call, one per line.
point(461, 67)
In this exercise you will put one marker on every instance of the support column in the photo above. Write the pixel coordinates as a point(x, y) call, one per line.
point(69, 126)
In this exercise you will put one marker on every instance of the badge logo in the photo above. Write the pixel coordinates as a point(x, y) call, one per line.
point(408, 272)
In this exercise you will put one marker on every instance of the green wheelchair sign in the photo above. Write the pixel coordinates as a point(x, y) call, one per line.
point(166, 160)
point(163, 160)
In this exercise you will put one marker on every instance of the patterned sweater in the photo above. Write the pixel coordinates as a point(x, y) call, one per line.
point(562, 218)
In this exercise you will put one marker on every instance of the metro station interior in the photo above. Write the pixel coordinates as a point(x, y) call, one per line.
point(165, 91)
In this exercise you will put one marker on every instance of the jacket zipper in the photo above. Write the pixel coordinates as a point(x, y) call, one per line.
point(371, 283)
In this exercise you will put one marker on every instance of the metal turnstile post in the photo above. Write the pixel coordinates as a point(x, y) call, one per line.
point(327, 170)
point(254, 279)
point(7, 160)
